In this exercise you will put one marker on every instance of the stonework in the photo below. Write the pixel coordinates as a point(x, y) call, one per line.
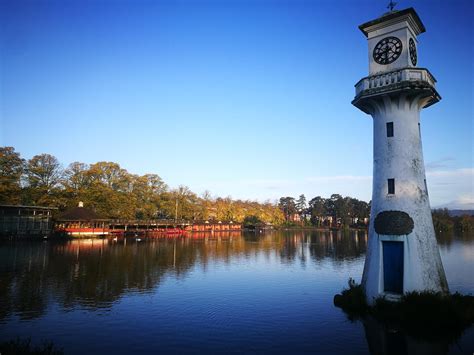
point(393, 223)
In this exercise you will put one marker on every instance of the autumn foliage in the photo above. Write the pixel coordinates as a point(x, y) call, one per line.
point(113, 192)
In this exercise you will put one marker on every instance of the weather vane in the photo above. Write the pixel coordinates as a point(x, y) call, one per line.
point(391, 5)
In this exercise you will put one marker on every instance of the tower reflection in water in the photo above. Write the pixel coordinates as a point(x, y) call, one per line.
point(384, 340)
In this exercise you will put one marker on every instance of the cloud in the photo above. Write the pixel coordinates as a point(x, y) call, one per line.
point(440, 163)
point(461, 203)
point(469, 172)
point(452, 189)
point(467, 200)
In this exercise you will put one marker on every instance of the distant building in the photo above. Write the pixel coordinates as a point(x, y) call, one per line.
point(295, 217)
point(17, 220)
point(213, 225)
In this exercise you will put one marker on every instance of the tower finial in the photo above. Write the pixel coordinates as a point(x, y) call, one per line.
point(391, 5)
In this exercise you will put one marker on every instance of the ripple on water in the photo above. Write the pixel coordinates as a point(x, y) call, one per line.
point(269, 293)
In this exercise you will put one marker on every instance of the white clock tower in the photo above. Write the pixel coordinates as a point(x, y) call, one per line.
point(402, 252)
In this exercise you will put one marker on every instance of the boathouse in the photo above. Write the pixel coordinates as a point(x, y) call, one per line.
point(18, 220)
point(213, 226)
point(82, 222)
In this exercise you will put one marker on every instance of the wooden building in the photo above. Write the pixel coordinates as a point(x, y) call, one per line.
point(18, 220)
point(82, 222)
point(213, 226)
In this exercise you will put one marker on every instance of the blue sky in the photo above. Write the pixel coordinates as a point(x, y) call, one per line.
point(245, 98)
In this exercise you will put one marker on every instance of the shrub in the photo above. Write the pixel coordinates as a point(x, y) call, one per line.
point(352, 300)
point(425, 315)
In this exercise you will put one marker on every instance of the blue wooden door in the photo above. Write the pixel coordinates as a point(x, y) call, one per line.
point(393, 266)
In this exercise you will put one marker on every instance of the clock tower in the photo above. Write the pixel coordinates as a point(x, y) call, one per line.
point(402, 252)
point(392, 42)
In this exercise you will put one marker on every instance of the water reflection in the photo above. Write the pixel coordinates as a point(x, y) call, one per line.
point(95, 273)
point(210, 292)
point(448, 238)
point(384, 340)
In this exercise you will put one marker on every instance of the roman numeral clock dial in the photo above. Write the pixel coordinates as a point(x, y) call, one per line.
point(387, 50)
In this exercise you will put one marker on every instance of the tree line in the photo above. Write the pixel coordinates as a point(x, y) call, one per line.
point(115, 193)
point(444, 222)
point(319, 211)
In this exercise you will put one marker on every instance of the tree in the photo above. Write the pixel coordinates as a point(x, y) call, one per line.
point(11, 170)
point(317, 210)
point(442, 221)
point(301, 207)
point(111, 175)
point(110, 191)
point(76, 178)
point(115, 193)
point(44, 171)
point(465, 223)
point(225, 209)
point(360, 209)
point(287, 206)
point(184, 202)
point(205, 205)
point(335, 207)
point(252, 221)
point(44, 175)
point(147, 191)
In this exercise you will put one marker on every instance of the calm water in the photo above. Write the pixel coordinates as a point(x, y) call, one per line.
point(223, 293)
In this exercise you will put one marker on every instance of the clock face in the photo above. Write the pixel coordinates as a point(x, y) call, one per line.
point(413, 55)
point(387, 50)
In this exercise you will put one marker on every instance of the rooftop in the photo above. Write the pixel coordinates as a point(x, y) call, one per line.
point(395, 16)
point(79, 214)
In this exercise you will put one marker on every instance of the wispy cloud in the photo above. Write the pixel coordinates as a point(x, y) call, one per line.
point(461, 203)
point(464, 172)
point(440, 163)
point(453, 189)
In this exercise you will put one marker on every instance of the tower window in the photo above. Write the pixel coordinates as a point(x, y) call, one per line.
point(419, 130)
point(426, 187)
point(391, 186)
point(389, 129)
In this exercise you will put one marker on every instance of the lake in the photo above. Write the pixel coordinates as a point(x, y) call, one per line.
point(220, 293)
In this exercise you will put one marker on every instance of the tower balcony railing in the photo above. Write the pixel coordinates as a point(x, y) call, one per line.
point(381, 80)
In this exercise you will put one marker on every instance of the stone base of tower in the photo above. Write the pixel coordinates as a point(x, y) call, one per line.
point(398, 264)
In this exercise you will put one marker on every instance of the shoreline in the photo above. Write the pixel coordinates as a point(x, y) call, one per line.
point(63, 236)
